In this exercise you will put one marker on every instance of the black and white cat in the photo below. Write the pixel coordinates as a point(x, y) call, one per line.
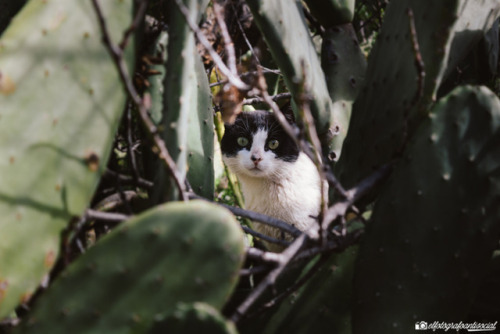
point(276, 178)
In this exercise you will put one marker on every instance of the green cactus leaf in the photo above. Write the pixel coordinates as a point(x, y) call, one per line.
point(474, 19)
point(194, 318)
point(178, 252)
point(332, 12)
point(286, 33)
point(393, 102)
point(435, 225)
point(61, 101)
point(187, 114)
point(344, 65)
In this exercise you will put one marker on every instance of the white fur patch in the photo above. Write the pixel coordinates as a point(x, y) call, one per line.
point(289, 191)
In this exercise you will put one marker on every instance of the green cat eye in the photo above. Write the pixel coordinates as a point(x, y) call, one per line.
point(242, 141)
point(273, 144)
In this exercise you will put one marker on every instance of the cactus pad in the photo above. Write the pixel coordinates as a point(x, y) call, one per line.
point(436, 223)
point(61, 101)
point(179, 252)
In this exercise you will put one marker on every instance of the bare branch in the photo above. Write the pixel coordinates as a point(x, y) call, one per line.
point(228, 42)
point(265, 237)
point(139, 16)
point(262, 256)
point(277, 97)
point(286, 257)
point(111, 217)
point(117, 56)
point(126, 179)
point(275, 108)
point(256, 217)
point(340, 208)
point(296, 286)
point(232, 77)
point(246, 75)
point(254, 270)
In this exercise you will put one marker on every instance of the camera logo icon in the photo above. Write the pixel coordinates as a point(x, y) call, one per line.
point(420, 325)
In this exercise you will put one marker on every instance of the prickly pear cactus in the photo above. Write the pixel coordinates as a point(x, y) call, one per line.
point(397, 94)
point(143, 269)
point(287, 36)
point(61, 100)
point(332, 12)
point(188, 117)
point(194, 318)
point(436, 223)
point(344, 65)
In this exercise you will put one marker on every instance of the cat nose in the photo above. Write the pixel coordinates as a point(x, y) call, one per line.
point(256, 158)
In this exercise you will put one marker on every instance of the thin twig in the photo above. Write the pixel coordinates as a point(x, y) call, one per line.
point(128, 180)
point(354, 194)
point(263, 256)
point(277, 97)
point(228, 42)
point(117, 56)
point(256, 217)
point(312, 136)
point(246, 75)
point(261, 82)
point(287, 256)
point(248, 230)
point(254, 270)
point(111, 217)
point(130, 148)
point(232, 77)
point(296, 286)
point(250, 47)
point(139, 16)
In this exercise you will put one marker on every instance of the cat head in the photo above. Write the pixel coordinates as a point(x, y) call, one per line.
point(256, 145)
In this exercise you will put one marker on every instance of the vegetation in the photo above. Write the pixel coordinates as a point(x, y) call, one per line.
point(117, 214)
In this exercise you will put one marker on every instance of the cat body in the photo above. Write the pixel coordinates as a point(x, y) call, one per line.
point(276, 178)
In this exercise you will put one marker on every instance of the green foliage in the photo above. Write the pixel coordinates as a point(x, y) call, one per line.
point(428, 250)
point(143, 269)
point(435, 224)
point(194, 318)
point(61, 105)
point(287, 36)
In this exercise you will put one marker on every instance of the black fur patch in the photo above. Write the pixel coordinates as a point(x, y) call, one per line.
point(247, 124)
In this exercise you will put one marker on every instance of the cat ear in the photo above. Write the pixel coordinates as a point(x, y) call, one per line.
point(287, 110)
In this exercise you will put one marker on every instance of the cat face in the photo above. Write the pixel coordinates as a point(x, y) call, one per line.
point(256, 145)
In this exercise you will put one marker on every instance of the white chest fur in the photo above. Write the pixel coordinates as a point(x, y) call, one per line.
point(291, 194)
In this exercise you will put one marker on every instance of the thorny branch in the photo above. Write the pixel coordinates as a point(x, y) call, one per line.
point(277, 97)
point(117, 56)
point(340, 208)
point(249, 74)
point(285, 259)
point(228, 43)
point(233, 77)
point(257, 217)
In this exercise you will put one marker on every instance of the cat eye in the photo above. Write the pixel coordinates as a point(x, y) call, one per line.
point(242, 141)
point(273, 144)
